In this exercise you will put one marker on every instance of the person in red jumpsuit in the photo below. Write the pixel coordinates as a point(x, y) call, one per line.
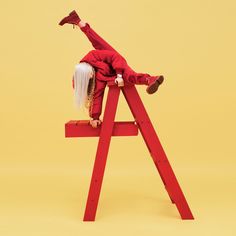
point(100, 66)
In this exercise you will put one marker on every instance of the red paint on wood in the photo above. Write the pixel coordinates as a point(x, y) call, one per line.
point(111, 128)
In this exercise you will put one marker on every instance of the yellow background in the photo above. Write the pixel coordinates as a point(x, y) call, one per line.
point(45, 177)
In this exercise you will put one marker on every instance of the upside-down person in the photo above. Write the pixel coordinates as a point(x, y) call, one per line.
point(100, 66)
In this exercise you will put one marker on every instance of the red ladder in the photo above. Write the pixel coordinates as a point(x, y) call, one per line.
point(111, 128)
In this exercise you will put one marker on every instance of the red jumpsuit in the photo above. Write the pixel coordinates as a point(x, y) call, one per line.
point(107, 63)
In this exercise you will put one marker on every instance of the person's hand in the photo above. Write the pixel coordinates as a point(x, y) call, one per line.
point(95, 123)
point(119, 81)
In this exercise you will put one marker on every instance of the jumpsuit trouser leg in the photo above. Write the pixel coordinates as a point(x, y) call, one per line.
point(99, 43)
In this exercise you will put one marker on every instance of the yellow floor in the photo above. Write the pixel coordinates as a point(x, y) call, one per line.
point(50, 200)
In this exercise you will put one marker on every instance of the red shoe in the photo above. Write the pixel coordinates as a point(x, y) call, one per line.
point(73, 18)
point(153, 83)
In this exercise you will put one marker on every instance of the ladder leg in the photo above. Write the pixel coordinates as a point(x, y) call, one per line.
point(157, 152)
point(101, 155)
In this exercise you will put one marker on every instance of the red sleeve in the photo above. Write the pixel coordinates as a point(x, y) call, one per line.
point(96, 109)
point(113, 58)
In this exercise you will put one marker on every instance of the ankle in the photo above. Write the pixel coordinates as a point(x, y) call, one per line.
point(81, 24)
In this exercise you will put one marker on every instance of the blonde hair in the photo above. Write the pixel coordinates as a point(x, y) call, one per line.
point(84, 85)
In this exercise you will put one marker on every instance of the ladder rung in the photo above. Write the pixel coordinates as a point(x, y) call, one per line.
point(82, 128)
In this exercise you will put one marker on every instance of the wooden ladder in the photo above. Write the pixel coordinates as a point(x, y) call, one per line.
point(110, 128)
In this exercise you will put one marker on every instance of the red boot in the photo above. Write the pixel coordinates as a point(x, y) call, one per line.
point(153, 83)
point(73, 18)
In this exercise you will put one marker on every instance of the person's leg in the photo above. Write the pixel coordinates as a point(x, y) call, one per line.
point(129, 75)
point(152, 82)
point(136, 78)
point(97, 41)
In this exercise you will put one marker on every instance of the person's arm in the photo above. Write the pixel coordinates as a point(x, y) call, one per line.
point(117, 62)
point(96, 109)
point(113, 58)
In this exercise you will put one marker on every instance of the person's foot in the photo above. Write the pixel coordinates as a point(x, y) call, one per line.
point(72, 18)
point(153, 83)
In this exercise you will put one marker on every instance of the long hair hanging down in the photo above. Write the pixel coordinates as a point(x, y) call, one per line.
point(83, 86)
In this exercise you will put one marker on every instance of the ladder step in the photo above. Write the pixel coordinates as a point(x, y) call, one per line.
point(82, 128)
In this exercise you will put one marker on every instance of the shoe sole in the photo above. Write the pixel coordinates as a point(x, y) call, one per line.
point(154, 87)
